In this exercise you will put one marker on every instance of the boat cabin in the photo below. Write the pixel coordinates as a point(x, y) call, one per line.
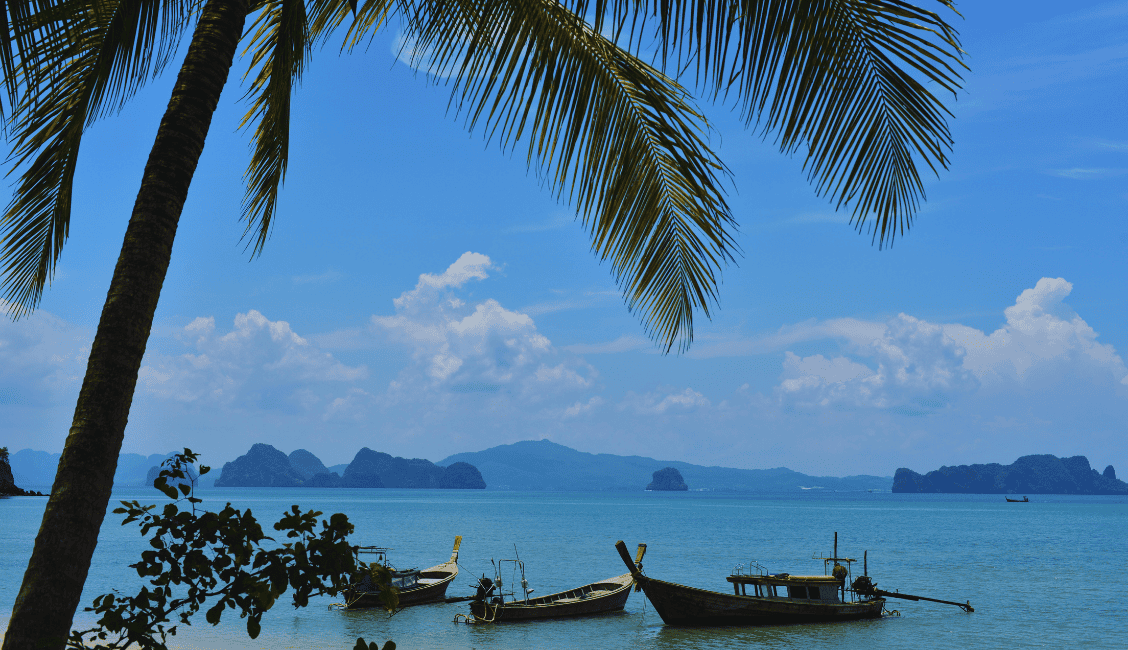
point(782, 585)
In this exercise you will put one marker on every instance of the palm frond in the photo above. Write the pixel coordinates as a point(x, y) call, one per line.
point(280, 49)
point(846, 80)
point(22, 32)
point(614, 136)
point(95, 62)
point(368, 18)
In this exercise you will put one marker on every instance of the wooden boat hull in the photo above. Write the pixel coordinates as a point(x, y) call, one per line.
point(596, 598)
point(432, 586)
point(682, 605)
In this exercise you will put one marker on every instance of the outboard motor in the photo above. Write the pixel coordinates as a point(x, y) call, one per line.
point(485, 588)
point(864, 586)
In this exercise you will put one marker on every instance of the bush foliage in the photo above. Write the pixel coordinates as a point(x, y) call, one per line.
point(221, 560)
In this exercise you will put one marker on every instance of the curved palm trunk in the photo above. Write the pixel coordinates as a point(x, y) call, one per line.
point(52, 585)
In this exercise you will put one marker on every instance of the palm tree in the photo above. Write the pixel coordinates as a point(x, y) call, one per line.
point(619, 138)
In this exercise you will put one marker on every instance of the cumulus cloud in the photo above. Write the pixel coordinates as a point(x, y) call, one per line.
point(917, 367)
point(259, 362)
point(465, 348)
point(914, 360)
point(1041, 332)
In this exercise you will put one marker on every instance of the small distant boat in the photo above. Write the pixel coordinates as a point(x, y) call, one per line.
point(1022, 500)
point(489, 604)
point(761, 598)
point(415, 587)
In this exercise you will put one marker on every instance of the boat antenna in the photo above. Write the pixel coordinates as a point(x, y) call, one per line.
point(865, 563)
point(836, 546)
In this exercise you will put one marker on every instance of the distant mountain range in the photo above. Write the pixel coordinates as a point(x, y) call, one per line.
point(545, 465)
point(1038, 474)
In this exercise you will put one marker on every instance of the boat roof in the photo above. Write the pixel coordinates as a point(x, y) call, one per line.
point(783, 579)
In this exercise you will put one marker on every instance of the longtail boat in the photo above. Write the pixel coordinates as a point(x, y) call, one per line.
point(489, 604)
point(762, 598)
point(1022, 500)
point(596, 598)
point(415, 587)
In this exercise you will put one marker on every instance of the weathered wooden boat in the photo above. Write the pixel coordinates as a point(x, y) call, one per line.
point(761, 598)
point(608, 595)
point(415, 587)
point(1022, 500)
point(489, 604)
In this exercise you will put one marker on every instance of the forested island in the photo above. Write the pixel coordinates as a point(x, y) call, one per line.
point(265, 466)
point(667, 479)
point(1037, 474)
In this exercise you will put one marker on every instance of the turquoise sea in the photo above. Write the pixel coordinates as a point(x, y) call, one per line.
point(1049, 573)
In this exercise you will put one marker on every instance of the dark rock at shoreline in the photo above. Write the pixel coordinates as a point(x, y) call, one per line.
point(306, 464)
point(8, 486)
point(667, 479)
point(262, 466)
point(1037, 474)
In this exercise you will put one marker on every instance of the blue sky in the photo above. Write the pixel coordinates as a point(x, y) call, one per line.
point(423, 295)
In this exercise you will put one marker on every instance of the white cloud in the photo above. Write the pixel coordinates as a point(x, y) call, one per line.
point(482, 348)
point(259, 362)
point(1041, 332)
point(914, 361)
point(920, 366)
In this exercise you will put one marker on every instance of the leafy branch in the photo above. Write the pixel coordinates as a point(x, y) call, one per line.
point(221, 560)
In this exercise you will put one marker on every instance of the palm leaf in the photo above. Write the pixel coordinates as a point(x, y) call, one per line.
point(280, 47)
point(100, 54)
point(611, 134)
point(22, 33)
point(846, 80)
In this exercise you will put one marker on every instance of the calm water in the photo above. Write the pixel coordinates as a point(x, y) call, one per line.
point(1045, 574)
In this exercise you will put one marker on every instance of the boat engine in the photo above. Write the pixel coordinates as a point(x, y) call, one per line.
point(485, 588)
point(864, 586)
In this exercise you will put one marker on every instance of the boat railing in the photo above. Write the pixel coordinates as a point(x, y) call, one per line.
point(747, 570)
